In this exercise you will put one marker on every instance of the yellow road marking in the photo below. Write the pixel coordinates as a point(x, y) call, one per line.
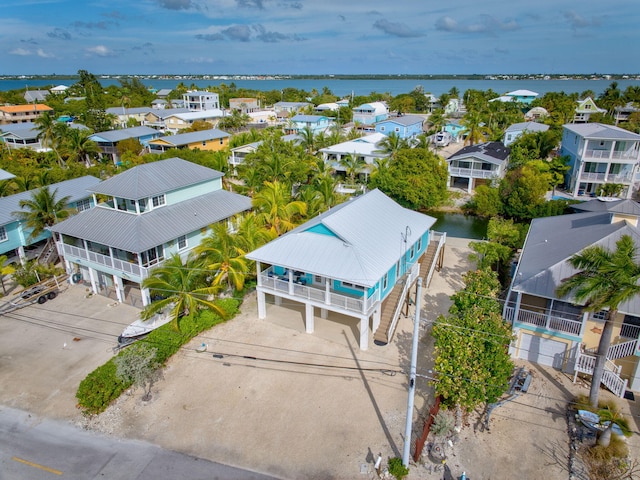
point(41, 467)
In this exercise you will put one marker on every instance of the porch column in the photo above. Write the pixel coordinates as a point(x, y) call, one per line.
point(327, 291)
point(290, 279)
point(146, 296)
point(364, 333)
point(585, 317)
point(308, 317)
point(117, 282)
point(548, 320)
point(262, 305)
point(634, 383)
point(258, 273)
point(376, 318)
point(470, 185)
point(22, 255)
point(516, 310)
point(93, 280)
point(324, 313)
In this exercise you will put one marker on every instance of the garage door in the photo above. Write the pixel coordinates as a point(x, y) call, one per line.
point(542, 350)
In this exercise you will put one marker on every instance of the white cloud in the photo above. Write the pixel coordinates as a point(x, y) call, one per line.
point(41, 53)
point(101, 51)
point(20, 51)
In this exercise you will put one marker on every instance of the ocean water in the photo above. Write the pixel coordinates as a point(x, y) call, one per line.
point(344, 88)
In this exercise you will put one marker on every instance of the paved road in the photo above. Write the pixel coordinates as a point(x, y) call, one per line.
point(33, 448)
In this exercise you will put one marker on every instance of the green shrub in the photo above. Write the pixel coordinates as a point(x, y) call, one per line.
point(397, 469)
point(101, 387)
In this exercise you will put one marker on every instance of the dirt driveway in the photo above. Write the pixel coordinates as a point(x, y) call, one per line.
point(277, 400)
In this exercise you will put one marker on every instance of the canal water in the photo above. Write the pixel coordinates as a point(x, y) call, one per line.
point(459, 225)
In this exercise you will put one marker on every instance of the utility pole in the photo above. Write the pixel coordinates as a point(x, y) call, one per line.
point(412, 378)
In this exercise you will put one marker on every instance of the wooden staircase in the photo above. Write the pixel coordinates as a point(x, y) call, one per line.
point(49, 253)
point(389, 307)
point(427, 260)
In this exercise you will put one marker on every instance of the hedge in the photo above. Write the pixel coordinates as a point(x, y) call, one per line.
point(101, 387)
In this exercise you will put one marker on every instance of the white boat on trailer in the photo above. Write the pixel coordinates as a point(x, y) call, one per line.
point(141, 328)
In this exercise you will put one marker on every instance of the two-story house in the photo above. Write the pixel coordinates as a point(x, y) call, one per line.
point(156, 117)
point(244, 105)
point(122, 115)
point(367, 148)
point(201, 100)
point(316, 123)
point(210, 140)
point(290, 107)
point(108, 140)
point(180, 121)
point(478, 164)
point(556, 331)
point(15, 237)
point(405, 126)
point(516, 130)
point(370, 113)
point(585, 109)
point(27, 135)
point(356, 263)
point(151, 212)
point(22, 113)
point(600, 154)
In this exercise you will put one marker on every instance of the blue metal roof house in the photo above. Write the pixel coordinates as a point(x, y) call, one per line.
point(357, 261)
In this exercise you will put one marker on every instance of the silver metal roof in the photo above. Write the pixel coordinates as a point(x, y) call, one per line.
point(138, 233)
point(621, 206)
point(600, 131)
point(552, 241)
point(366, 241)
point(4, 175)
point(527, 127)
point(191, 137)
point(405, 120)
point(155, 178)
point(123, 134)
point(76, 189)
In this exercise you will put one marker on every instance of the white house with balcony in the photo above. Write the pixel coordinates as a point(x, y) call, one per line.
point(370, 113)
point(586, 107)
point(151, 212)
point(478, 164)
point(600, 154)
point(367, 148)
point(198, 101)
point(355, 262)
point(556, 331)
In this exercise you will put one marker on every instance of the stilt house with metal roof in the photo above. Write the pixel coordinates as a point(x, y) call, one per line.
point(151, 212)
point(354, 263)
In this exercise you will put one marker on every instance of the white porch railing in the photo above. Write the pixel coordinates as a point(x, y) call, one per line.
point(604, 177)
point(608, 154)
point(442, 239)
point(317, 295)
point(104, 260)
point(544, 320)
point(610, 377)
point(471, 172)
point(411, 277)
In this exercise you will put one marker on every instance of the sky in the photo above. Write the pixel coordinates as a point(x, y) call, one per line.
point(319, 37)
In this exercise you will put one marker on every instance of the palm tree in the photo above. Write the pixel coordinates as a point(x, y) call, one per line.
point(473, 127)
point(79, 146)
point(42, 210)
point(276, 212)
point(353, 166)
point(391, 145)
point(307, 139)
point(5, 269)
point(614, 417)
point(605, 280)
point(48, 132)
point(182, 288)
point(437, 119)
point(220, 252)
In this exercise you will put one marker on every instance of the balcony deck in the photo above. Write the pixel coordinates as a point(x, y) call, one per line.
point(274, 284)
point(544, 321)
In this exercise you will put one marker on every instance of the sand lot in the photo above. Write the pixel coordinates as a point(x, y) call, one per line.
point(277, 400)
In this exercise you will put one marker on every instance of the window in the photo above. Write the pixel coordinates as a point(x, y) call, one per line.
point(419, 246)
point(385, 281)
point(83, 205)
point(158, 200)
point(413, 252)
point(152, 256)
point(382, 129)
point(352, 285)
point(3, 234)
point(600, 316)
point(182, 242)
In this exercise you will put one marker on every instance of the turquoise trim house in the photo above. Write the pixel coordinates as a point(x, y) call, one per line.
point(15, 237)
point(405, 126)
point(346, 261)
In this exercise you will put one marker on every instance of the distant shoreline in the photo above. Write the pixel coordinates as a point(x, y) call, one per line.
point(527, 77)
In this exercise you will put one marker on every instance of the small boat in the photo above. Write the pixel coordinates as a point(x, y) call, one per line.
point(140, 328)
point(592, 421)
